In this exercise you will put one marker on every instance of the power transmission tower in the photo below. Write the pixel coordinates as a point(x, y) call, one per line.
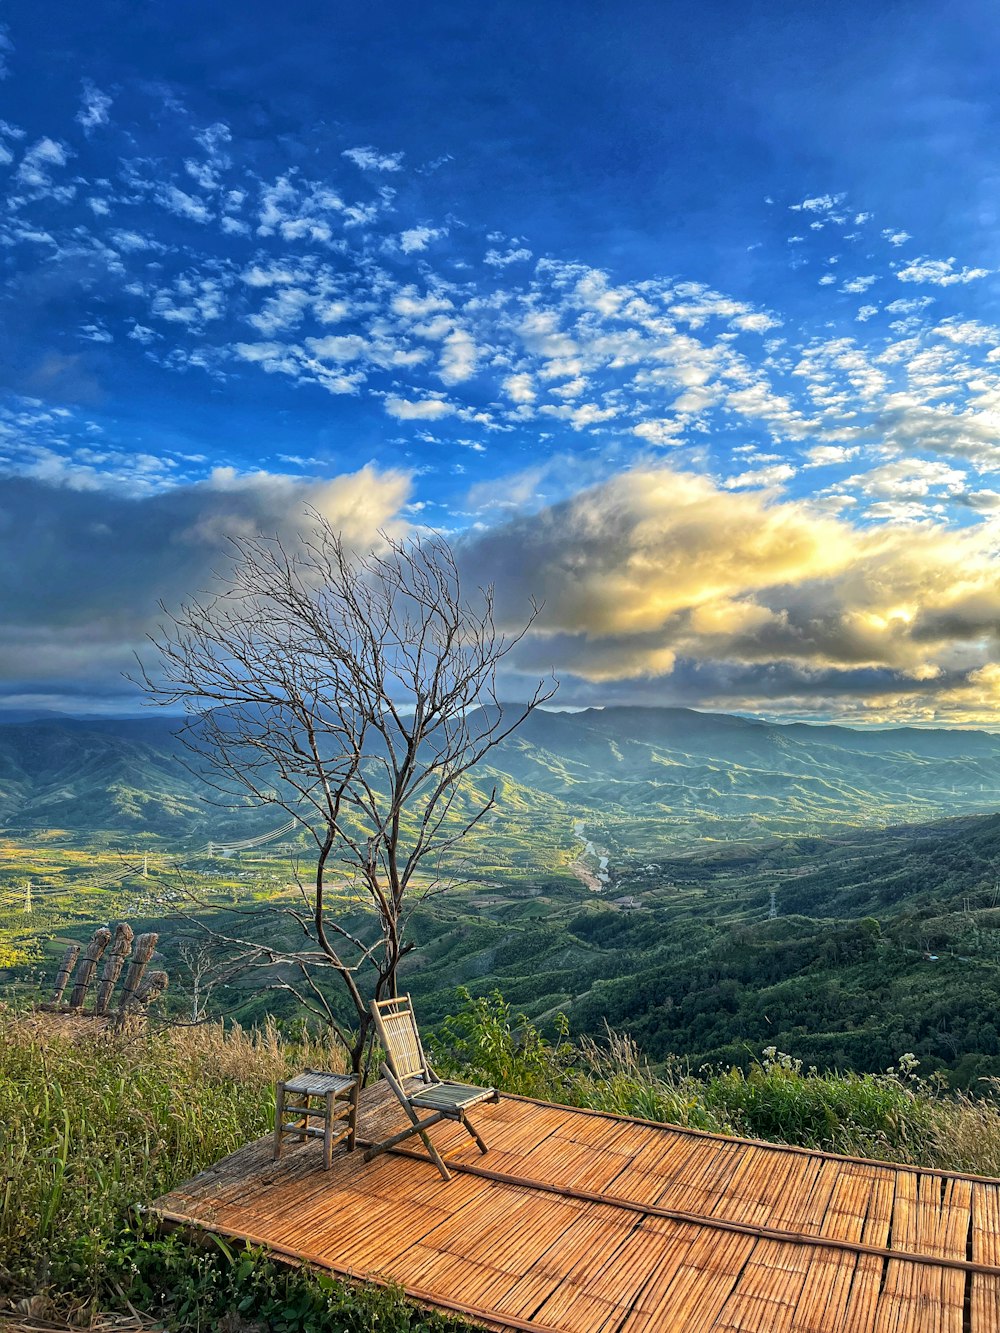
point(773, 909)
point(27, 896)
point(145, 865)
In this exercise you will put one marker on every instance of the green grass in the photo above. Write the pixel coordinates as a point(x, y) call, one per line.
point(893, 1116)
point(97, 1122)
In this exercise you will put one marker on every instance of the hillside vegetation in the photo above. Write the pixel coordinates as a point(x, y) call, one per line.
point(688, 775)
point(98, 1123)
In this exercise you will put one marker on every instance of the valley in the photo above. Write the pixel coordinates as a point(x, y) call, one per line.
point(598, 888)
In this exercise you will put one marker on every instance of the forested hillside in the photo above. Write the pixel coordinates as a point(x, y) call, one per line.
point(674, 773)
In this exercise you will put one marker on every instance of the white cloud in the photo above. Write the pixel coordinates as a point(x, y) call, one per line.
point(213, 139)
point(182, 204)
point(348, 347)
point(857, 285)
point(825, 455)
point(36, 167)
point(659, 432)
point(520, 388)
point(459, 356)
point(768, 477)
point(497, 260)
point(424, 409)
point(756, 322)
point(939, 272)
point(909, 307)
point(94, 107)
point(896, 237)
point(821, 203)
point(418, 238)
point(369, 159)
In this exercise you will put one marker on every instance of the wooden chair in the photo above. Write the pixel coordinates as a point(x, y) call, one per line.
point(416, 1085)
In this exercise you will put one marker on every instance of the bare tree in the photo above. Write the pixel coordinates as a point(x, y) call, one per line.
point(355, 692)
point(205, 971)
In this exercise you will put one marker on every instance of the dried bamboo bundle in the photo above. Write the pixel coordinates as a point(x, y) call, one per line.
point(65, 969)
point(151, 989)
point(145, 946)
point(99, 941)
point(113, 964)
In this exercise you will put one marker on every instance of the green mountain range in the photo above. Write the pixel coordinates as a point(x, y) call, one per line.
point(672, 773)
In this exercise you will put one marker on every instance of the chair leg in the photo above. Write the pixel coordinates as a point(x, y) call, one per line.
point(418, 1126)
point(473, 1131)
point(279, 1116)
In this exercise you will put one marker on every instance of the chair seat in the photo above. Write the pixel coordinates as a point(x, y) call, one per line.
point(448, 1096)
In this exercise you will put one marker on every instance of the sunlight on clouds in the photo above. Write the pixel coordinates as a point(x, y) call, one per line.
point(344, 276)
point(659, 565)
point(109, 559)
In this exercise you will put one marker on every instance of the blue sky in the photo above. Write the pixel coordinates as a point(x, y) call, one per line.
point(682, 318)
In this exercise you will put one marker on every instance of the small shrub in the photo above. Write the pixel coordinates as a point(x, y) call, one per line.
point(242, 1290)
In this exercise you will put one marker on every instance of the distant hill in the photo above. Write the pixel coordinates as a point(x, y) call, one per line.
point(730, 775)
point(684, 773)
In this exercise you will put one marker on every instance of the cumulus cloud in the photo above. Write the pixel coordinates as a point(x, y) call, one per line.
point(659, 570)
point(498, 259)
point(369, 159)
point(421, 409)
point(105, 561)
point(182, 204)
point(414, 239)
point(939, 272)
point(820, 203)
point(37, 165)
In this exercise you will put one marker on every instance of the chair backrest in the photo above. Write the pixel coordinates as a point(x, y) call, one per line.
point(397, 1030)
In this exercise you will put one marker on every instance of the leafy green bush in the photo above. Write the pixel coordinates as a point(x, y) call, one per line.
point(895, 1116)
point(504, 1051)
point(242, 1290)
point(892, 1115)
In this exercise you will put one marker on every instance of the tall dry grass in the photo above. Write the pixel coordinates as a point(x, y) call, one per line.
point(93, 1120)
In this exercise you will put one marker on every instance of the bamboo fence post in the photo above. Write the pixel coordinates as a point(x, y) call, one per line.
point(151, 989)
point(98, 943)
point(113, 964)
point(144, 948)
point(65, 969)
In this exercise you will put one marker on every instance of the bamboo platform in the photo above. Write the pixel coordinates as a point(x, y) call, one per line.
point(589, 1223)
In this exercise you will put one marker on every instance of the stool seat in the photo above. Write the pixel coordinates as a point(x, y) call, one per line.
point(316, 1083)
point(336, 1098)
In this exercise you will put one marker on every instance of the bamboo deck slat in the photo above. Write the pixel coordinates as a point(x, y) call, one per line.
point(577, 1222)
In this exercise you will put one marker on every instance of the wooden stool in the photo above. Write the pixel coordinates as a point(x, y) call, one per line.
point(335, 1090)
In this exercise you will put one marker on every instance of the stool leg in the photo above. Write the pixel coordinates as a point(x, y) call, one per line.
point(328, 1133)
point(352, 1122)
point(304, 1125)
point(279, 1115)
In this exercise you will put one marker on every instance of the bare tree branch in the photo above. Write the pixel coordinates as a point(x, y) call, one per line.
point(355, 692)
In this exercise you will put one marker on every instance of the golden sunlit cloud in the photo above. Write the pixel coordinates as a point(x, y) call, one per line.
point(654, 569)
